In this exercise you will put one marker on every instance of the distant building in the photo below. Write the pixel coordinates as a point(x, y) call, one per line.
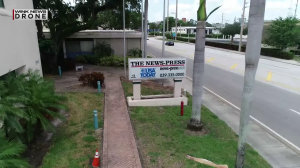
point(218, 25)
point(184, 20)
point(192, 30)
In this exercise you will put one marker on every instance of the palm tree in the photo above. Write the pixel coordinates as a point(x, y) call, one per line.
point(10, 153)
point(195, 122)
point(256, 22)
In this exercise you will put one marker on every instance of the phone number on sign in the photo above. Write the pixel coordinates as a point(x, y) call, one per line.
point(171, 75)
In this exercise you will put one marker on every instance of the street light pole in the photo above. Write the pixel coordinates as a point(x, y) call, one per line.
point(168, 16)
point(296, 9)
point(164, 29)
point(146, 28)
point(142, 41)
point(242, 26)
point(124, 37)
point(176, 19)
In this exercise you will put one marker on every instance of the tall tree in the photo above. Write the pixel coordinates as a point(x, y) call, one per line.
point(113, 19)
point(65, 20)
point(39, 25)
point(256, 23)
point(232, 29)
point(195, 122)
point(283, 33)
point(171, 23)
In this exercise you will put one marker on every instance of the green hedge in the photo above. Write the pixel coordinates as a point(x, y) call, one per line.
point(264, 51)
point(114, 61)
point(277, 53)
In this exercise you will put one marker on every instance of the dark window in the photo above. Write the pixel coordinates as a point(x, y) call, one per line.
point(1, 4)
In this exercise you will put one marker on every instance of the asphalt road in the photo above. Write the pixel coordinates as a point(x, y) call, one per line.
point(276, 107)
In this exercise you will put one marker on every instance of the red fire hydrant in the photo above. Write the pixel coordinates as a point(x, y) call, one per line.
point(182, 106)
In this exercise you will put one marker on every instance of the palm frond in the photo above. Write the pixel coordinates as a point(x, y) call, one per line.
point(213, 11)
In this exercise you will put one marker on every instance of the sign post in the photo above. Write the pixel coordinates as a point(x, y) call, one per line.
point(154, 69)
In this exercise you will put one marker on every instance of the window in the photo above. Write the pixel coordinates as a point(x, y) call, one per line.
point(1, 4)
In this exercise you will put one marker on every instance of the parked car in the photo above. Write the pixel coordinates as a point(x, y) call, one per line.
point(170, 43)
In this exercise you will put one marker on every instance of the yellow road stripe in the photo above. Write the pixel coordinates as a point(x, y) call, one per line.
point(210, 60)
point(269, 77)
point(233, 66)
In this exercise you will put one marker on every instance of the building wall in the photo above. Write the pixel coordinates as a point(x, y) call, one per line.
point(117, 44)
point(18, 40)
point(112, 37)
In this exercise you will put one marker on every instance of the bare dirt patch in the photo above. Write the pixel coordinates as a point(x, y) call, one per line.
point(197, 133)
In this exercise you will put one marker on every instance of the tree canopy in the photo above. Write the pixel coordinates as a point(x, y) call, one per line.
point(283, 33)
point(65, 19)
point(232, 29)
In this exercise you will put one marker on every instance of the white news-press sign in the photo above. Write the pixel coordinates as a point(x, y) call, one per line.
point(30, 14)
point(156, 68)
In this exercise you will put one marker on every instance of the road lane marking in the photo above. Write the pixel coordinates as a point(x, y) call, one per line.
point(295, 111)
point(233, 66)
point(210, 60)
point(269, 77)
point(152, 55)
point(260, 124)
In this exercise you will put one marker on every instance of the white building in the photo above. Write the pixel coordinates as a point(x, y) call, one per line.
point(192, 30)
point(19, 49)
point(218, 25)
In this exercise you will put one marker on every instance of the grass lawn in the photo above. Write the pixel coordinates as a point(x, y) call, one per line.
point(76, 141)
point(164, 140)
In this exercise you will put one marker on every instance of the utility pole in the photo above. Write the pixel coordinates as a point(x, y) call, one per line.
point(142, 42)
point(124, 38)
point(222, 17)
point(168, 16)
point(146, 28)
point(242, 26)
point(164, 29)
point(296, 9)
point(176, 19)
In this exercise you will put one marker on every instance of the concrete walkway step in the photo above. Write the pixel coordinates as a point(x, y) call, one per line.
point(119, 145)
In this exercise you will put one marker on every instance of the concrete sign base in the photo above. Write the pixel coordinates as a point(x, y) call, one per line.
point(157, 100)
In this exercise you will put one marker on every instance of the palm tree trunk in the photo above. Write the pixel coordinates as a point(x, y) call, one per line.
point(256, 22)
point(195, 122)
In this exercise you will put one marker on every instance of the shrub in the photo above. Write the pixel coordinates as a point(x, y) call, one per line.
point(92, 79)
point(81, 59)
point(185, 35)
point(26, 100)
point(277, 53)
point(135, 52)
point(169, 35)
point(10, 153)
point(102, 49)
point(113, 61)
point(92, 59)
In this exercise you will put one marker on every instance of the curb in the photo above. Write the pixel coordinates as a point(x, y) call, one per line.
point(261, 125)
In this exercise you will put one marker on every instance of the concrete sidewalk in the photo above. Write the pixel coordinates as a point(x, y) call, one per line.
point(276, 153)
point(119, 146)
